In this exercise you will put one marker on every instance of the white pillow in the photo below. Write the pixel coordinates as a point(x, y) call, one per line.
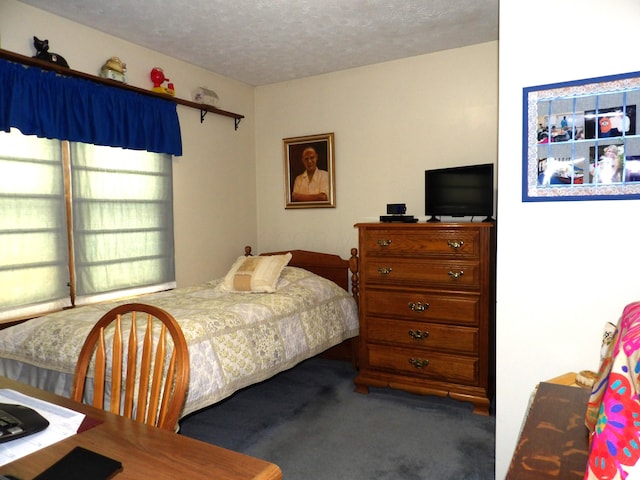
point(255, 274)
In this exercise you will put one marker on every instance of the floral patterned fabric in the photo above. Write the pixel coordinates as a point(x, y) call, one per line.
point(235, 339)
point(613, 413)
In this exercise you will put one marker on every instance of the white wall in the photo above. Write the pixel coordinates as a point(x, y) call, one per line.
point(391, 121)
point(564, 268)
point(214, 217)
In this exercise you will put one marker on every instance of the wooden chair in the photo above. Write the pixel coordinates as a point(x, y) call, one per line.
point(161, 388)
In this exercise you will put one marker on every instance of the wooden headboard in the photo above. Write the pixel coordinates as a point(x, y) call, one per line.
point(332, 267)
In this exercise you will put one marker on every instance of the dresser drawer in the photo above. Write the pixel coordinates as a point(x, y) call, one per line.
point(432, 365)
point(435, 243)
point(444, 338)
point(434, 273)
point(422, 305)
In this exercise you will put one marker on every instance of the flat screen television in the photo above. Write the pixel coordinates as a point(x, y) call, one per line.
point(459, 192)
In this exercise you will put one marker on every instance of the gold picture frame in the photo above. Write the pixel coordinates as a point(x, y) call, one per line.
point(309, 171)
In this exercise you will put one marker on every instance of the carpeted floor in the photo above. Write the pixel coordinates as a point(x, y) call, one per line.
point(311, 423)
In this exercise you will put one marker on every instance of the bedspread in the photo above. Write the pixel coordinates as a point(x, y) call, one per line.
point(235, 339)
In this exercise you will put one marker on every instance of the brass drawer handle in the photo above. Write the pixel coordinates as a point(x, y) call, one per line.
point(418, 307)
point(418, 336)
point(384, 270)
point(455, 244)
point(418, 362)
point(456, 274)
point(384, 243)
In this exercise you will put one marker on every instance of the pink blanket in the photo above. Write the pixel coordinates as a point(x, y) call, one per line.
point(613, 413)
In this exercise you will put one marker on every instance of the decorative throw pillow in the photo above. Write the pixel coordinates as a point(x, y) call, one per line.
point(255, 274)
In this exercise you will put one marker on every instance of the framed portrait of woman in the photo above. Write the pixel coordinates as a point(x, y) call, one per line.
point(309, 171)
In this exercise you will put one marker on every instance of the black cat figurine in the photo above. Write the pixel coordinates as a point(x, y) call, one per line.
point(42, 53)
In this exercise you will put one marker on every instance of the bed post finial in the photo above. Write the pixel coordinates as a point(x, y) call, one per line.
point(354, 267)
point(247, 251)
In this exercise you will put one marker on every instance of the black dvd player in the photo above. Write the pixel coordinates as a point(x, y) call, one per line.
point(398, 218)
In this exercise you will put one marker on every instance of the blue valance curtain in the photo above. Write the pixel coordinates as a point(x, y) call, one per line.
point(47, 104)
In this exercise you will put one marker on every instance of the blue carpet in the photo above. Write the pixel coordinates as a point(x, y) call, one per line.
point(311, 423)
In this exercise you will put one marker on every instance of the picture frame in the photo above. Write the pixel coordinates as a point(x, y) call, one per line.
point(304, 156)
point(580, 140)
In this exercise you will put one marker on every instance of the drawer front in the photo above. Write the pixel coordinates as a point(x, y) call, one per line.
point(421, 305)
point(440, 274)
point(416, 335)
point(436, 243)
point(432, 365)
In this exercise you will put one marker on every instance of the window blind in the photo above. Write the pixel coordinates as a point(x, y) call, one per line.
point(80, 224)
point(34, 258)
point(122, 221)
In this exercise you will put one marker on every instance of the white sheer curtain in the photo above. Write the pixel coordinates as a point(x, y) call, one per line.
point(34, 259)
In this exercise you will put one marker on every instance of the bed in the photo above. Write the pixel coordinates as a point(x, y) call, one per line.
point(235, 338)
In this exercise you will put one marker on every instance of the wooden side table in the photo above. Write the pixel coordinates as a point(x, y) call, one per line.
point(554, 442)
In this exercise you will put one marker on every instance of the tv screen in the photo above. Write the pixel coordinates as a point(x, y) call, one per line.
point(459, 191)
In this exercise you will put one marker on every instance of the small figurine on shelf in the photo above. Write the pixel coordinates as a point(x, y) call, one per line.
point(158, 78)
point(114, 69)
point(42, 53)
point(206, 96)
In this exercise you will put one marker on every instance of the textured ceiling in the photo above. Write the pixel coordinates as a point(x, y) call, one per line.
point(267, 41)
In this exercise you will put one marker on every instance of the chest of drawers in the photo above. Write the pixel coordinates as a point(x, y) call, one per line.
point(427, 308)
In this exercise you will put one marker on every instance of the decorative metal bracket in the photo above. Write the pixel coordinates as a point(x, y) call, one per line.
point(236, 119)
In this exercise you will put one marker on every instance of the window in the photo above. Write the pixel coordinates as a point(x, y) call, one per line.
point(81, 223)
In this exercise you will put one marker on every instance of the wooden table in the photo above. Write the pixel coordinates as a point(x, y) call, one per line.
point(554, 443)
point(145, 452)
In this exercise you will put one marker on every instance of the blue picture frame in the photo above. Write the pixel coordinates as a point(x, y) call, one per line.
point(580, 140)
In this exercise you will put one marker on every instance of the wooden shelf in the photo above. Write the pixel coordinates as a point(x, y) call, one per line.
point(34, 62)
